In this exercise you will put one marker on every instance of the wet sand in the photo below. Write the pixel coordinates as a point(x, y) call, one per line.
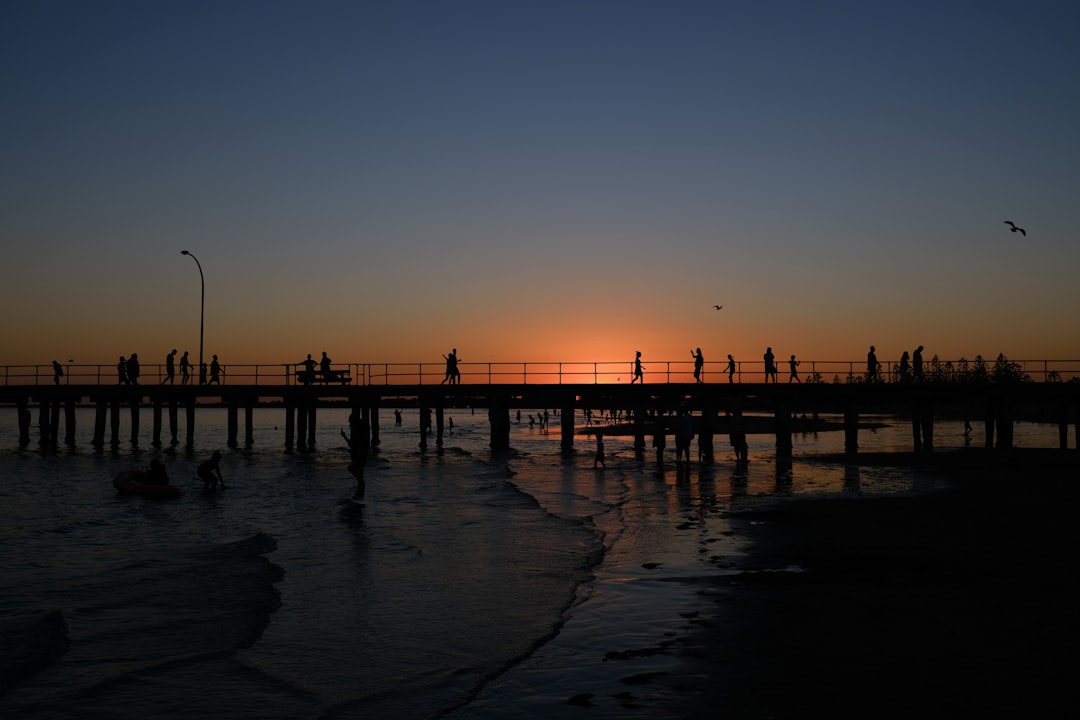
point(956, 604)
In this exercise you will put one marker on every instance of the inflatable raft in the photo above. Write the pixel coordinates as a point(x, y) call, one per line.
point(131, 481)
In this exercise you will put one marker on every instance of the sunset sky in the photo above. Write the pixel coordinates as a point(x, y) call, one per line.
point(539, 180)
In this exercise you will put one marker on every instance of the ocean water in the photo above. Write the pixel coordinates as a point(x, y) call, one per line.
point(466, 584)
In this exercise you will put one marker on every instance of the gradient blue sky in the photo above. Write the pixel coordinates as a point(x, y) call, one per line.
point(535, 181)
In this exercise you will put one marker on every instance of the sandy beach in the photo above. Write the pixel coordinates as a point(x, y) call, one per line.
point(954, 604)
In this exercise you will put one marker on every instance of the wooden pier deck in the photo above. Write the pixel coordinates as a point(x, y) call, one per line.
point(643, 403)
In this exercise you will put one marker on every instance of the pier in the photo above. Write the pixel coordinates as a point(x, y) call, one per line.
point(572, 390)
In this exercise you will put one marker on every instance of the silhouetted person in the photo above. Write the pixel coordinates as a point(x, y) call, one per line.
point(599, 457)
point(452, 372)
point(156, 473)
point(730, 369)
point(202, 373)
point(133, 369)
point(639, 370)
point(699, 364)
point(397, 418)
point(170, 368)
point(324, 368)
point(210, 472)
point(916, 363)
point(770, 365)
point(307, 375)
point(121, 371)
point(185, 369)
point(905, 367)
point(794, 365)
point(58, 372)
point(215, 371)
point(872, 366)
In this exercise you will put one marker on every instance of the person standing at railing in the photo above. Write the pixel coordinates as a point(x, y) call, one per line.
point(770, 365)
point(730, 369)
point(324, 368)
point(916, 362)
point(170, 368)
point(307, 375)
point(639, 370)
point(185, 369)
point(133, 369)
point(905, 367)
point(699, 364)
point(58, 372)
point(121, 371)
point(794, 365)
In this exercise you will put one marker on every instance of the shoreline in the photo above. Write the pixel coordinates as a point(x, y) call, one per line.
point(955, 603)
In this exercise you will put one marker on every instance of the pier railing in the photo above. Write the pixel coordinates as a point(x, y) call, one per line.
point(606, 372)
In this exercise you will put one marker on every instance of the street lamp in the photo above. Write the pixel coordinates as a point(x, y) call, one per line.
point(202, 310)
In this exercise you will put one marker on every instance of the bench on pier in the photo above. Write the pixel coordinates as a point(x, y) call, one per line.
point(318, 376)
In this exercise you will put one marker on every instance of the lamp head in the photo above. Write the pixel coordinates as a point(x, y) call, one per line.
point(184, 252)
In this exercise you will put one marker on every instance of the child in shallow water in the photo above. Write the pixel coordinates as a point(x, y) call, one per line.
point(210, 472)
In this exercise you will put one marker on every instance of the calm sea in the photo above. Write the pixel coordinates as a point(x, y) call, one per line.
point(466, 585)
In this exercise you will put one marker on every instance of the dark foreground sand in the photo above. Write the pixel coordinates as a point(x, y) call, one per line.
point(959, 604)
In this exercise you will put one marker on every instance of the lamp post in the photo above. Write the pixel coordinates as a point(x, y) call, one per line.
point(202, 310)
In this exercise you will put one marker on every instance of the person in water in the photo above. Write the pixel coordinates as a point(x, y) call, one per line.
point(156, 474)
point(210, 472)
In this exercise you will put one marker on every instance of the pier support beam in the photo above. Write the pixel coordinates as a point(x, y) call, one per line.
point(499, 418)
point(54, 422)
point(301, 426)
point(439, 414)
point(69, 422)
point(173, 423)
point(191, 423)
point(43, 421)
point(233, 413)
point(706, 425)
point(22, 406)
point(425, 422)
point(566, 424)
point(249, 430)
point(311, 424)
point(136, 405)
point(373, 422)
point(156, 425)
point(851, 428)
point(114, 422)
point(782, 415)
point(100, 413)
point(922, 423)
point(290, 426)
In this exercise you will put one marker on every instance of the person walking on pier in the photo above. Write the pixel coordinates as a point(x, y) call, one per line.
point(905, 367)
point(133, 369)
point(794, 365)
point(170, 368)
point(699, 364)
point(185, 369)
point(58, 372)
point(639, 370)
point(916, 362)
point(770, 365)
point(215, 371)
point(730, 369)
point(453, 375)
point(872, 366)
point(121, 371)
point(209, 472)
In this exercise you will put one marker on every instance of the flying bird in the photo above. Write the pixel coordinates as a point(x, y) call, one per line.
point(1012, 225)
point(718, 307)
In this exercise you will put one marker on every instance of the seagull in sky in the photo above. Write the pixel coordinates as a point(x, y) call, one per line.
point(1012, 225)
point(718, 307)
